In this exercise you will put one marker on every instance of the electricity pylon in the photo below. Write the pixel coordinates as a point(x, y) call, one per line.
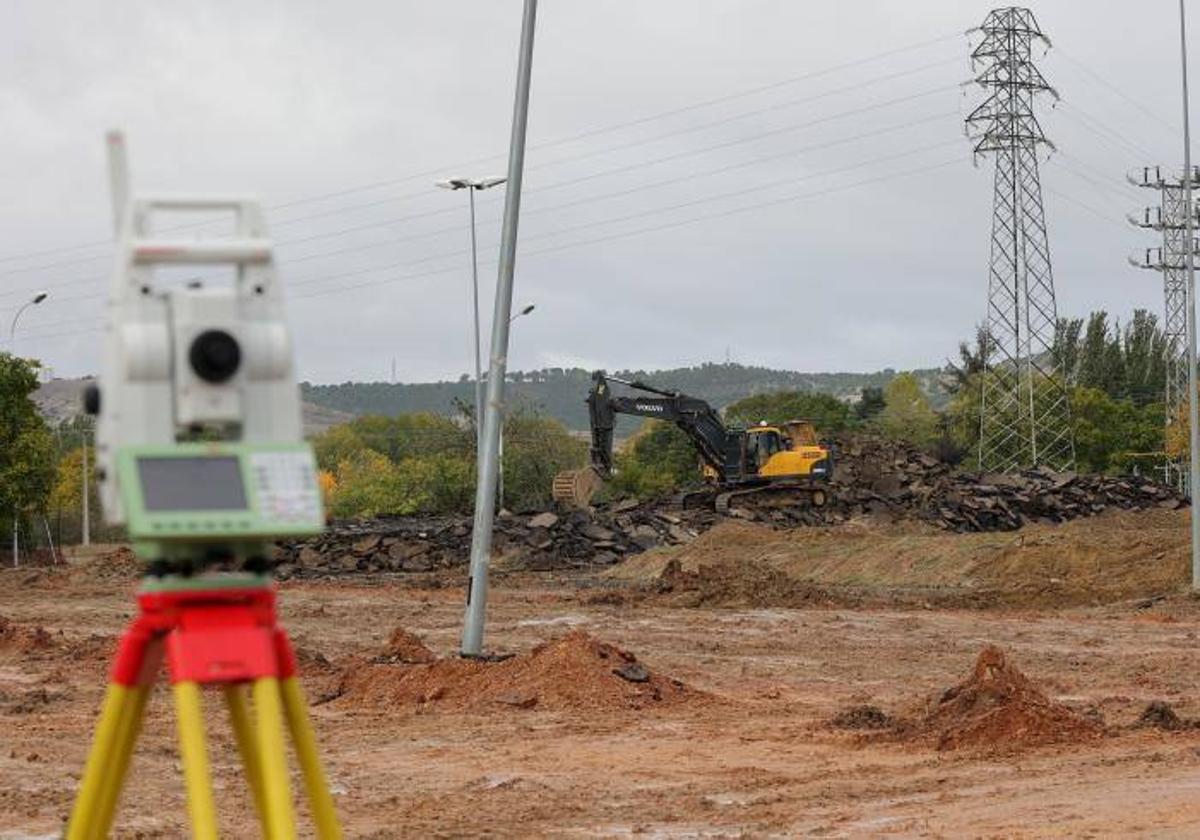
point(1025, 412)
point(1170, 258)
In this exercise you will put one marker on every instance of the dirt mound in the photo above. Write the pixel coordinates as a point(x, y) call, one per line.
point(408, 648)
point(576, 671)
point(725, 584)
point(862, 717)
point(1161, 715)
point(17, 638)
point(120, 563)
point(997, 707)
point(727, 566)
point(1110, 558)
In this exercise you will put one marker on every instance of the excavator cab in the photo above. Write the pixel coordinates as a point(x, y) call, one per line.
point(789, 450)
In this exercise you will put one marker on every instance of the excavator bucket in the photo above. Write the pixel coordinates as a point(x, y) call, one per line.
point(575, 488)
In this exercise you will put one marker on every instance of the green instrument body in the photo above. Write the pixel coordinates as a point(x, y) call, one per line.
point(192, 502)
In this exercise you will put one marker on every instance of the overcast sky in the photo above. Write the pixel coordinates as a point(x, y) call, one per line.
point(786, 183)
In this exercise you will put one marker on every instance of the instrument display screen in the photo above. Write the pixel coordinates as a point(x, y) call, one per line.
point(192, 483)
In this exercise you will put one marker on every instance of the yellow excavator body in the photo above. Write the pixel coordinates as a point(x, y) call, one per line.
point(787, 450)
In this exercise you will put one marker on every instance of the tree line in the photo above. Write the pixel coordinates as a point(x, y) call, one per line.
point(1115, 377)
point(424, 462)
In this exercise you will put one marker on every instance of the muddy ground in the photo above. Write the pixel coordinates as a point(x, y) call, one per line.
point(738, 653)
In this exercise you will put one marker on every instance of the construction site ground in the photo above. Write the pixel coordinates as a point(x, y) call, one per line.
point(771, 684)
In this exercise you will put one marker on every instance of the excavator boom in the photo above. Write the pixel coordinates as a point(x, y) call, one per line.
point(736, 460)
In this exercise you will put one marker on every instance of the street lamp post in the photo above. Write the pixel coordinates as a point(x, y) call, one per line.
point(500, 453)
point(12, 343)
point(472, 186)
point(485, 484)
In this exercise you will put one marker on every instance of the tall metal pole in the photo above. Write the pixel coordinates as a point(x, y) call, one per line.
point(485, 489)
point(1193, 409)
point(478, 363)
point(87, 528)
point(12, 343)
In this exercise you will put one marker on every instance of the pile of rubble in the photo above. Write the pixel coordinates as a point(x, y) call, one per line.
point(539, 542)
point(875, 479)
point(890, 480)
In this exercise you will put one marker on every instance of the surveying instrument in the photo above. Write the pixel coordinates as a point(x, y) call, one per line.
point(200, 455)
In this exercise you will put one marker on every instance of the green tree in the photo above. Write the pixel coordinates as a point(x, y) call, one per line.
point(536, 448)
point(1109, 432)
point(1145, 349)
point(827, 412)
point(1100, 363)
point(1066, 347)
point(337, 444)
point(441, 483)
point(972, 361)
point(367, 485)
point(906, 413)
point(870, 403)
point(26, 444)
point(657, 461)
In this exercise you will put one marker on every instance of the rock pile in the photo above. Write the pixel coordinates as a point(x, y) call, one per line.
point(874, 479)
point(538, 542)
point(881, 478)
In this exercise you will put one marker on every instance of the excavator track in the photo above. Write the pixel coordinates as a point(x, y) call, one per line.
point(772, 496)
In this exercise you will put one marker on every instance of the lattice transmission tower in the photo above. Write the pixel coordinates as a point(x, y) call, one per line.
point(1025, 414)
point(1170, 258)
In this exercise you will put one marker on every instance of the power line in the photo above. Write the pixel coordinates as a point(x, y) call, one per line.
point(604, 173)
point(707, 199)
point(1098, 213)
point(596, 240)
point(590, 199)
point(1096, 183)
point(594, 153)
point(1074, 110)
point(547, 144)
point(647, 140)
point(887, 77)
point(656, 228)
point(1106, 177)
point(1141, 106)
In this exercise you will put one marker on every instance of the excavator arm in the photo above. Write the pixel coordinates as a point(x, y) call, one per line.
point(696, 418)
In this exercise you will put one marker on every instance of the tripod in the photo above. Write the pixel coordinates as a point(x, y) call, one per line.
point(212, 630)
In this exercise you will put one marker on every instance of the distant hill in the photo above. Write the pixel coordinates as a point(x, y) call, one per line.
point(62, 399)
point(560, 392)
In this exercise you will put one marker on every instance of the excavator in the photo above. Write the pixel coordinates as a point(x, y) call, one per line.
point(760, 466)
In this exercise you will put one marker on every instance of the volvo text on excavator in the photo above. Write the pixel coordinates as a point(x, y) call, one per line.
point(764, 465)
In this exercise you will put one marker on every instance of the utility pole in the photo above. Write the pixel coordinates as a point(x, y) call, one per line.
point(488, 463)
point(1188, 251)
point(1169, 219)
point(1024, 419)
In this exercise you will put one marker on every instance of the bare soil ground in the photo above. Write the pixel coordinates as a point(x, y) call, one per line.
point(905, 683)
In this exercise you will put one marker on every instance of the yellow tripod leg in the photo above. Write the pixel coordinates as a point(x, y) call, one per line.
point(305, 741)
point(280, 822)
point(127, 733)
point(97, 772)
point(190, 717)
point(243, 732)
